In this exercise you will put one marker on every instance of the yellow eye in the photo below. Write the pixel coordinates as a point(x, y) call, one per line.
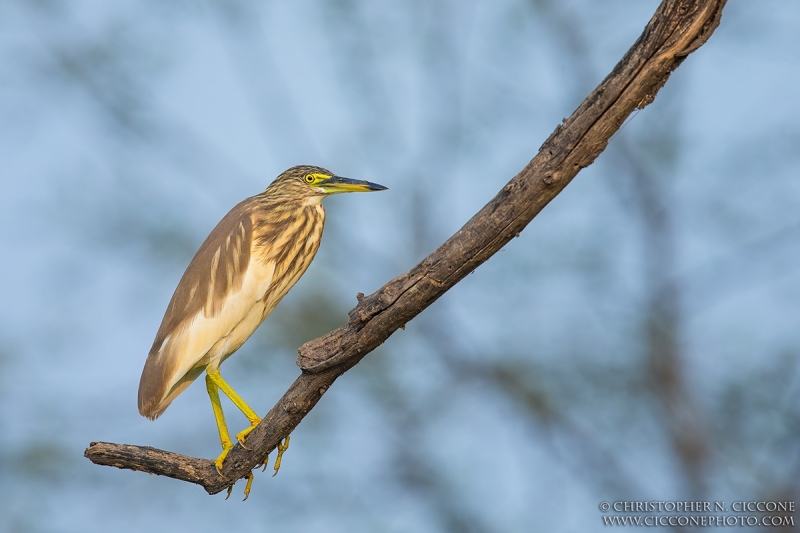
point(309, 178)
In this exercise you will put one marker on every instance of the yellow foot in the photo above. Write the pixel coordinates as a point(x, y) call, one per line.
point(245, 432)
point(219, 460)
point(247, 487)
point(281, 448)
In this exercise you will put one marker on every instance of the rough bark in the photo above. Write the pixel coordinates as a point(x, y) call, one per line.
point(677, 28)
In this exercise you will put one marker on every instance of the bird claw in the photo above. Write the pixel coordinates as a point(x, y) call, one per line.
point(249, 484)
point(221, 459)
point(242, 435)
point(281, 448)
point(247, 487)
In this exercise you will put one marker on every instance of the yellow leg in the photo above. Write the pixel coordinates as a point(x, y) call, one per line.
point(248, 412)
point(215, 383)
point(222, 427)
point(251, 415)
point(281, 448)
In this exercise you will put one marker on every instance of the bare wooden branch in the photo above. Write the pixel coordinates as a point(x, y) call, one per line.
point(678, 28)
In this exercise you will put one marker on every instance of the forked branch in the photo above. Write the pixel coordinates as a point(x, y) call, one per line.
point(677, 28)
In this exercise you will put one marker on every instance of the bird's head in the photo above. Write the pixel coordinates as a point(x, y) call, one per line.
point(307, 181)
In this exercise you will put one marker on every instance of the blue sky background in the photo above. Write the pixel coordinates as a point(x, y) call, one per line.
point(638, 341)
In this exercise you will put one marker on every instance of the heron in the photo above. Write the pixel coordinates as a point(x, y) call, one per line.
point(243, 269)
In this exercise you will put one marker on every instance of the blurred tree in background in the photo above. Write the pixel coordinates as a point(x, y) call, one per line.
point(638, 341)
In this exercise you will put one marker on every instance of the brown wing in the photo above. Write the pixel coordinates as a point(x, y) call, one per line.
point(203, 309)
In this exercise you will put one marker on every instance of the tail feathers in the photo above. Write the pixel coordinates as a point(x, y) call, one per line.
point(150, 413)
point(156, 390)
point(153, 387)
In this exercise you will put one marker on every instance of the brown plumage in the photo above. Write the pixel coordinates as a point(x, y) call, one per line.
point(246, 265)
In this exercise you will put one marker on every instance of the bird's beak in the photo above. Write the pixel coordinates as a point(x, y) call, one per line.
point(337, 184)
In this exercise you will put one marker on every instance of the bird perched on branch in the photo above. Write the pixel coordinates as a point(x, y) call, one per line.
point(246, 265)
